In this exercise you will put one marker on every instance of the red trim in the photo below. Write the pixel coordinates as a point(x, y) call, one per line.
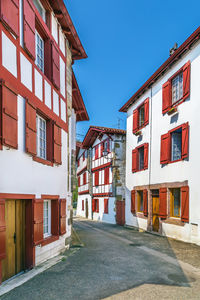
point(50, 197)
point(84, 192)
point(103, 194)
point(43, 161)
point(17, 196)
point(81, 171)
point(102, 167)
point(49, 239)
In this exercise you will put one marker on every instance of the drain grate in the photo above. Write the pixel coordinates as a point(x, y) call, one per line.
point(135, 245)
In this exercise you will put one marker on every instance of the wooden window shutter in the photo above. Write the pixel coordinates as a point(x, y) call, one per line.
point(133, 201)
point(145, 202)
point(49, 139)
point(93, 205)
point(96, 152)
point(82, 204)
point(146, 112)
point(63, 215)
point(31, 131)
point(146, 155)
point(135, 121)
point(165, 148)
point(134, 160)
point(106, 175)
point(29, 28)
point(47, 58)
point(2, 230)
point(79, 181)
point(96, 178)
point(108, 145)
point(102, 148)
point(38, 221)
point(185, 140)
point(185, 203)
point(9, 118)
point(105, 206)
point(55, 66)
point(166, 96)
point(186, 80)
point(55, 217)
point(57, 149)
point(84, 178)
point(10, 15)
point(97, 200)
point(163, 203)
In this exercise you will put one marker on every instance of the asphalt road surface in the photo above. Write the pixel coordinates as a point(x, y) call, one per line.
point(118, 263)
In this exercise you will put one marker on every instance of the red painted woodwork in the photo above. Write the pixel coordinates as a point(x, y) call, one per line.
point(106, 206)
point(134, 160)
point(106, 175)
point(9, 117)
point(84, 192)
point(9, 15)
point(166, 96)
point(185, 204)
point(29, 234)
point(55, 66)
point(102, 148)
point(135, 120)
point(145, 202)
point(29, 28)
point(2, 230)
point(120, 212)
point(97, 205)
point(37, 221)
point(186, 80)
point(31, 130)
point(133, 201)
point(83, 205)
point(55, 217)
point(79, 181)
point(96, 174)
point(101, 167)
point(185, 140)
point(0, 272)
point(84, 178)
point(146, 112)
point(63, 216)
point(96, 151)
point(163, 203)
point(165, 148)
point(57, 145)
point(146, 153)
point(93, 205)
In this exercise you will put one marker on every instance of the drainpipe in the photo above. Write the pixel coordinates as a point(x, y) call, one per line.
point(91, 178)
point(150, 151)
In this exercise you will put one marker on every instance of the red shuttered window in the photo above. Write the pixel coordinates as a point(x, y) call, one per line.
point(145, 203)
point(63, 216)
point(2, 230)
point(165, 149)
point(29, 27)
point(9, 14)
point(163, 203)
point(176, 89)
point(141, 116)
point(105, 206)
point(38, 221)
point(31, 131)
point(96, 176)
point(185, 204)
point(84, 178)
point(97, 205)
point(57, 145)
point(55, 66)
point(106, 176)
point(9, 124)
point(82, 205)
point(133, 201)
point(55, 217)
point(93, 205)
point(79, 181)
point(97, 152)
point(140, 158)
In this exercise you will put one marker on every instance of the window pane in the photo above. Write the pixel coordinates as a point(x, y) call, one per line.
point(177, 88)
point(141, 115)
point(176, 194)
point(176, 145)
point(141, 158)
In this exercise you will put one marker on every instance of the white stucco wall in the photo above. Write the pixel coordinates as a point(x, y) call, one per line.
point(79, 211)
point(101, 216)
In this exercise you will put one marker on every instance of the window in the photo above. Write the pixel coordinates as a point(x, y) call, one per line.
point(41, 137)
point(141, 158)
point(140, 201)
point(175, 203)
point(176, 144)
point(177, 88)
point(141, 116)
point(95, 205)
point(47, 218)
point(40, 9)
point(39, 44)
point(96, 152)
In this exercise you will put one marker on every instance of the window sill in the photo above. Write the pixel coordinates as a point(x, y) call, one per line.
point(174, 221)
point(140, 215)
point(43, 161)
point(49, 239)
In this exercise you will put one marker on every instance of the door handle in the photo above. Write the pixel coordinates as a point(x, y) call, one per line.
point(14, 237)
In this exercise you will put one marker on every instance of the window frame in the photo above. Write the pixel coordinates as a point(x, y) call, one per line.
point(172, 203)
point(145, 163)
point(139, 197)
point(140, 126)
point(43, 16)
point(39, 117)
point(41, 68)
point(170, 144)
point(144, 104)
point(47, 234)
point(139, 149)
point(173, 78)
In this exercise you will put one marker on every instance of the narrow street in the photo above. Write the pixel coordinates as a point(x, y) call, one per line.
point(118, 263)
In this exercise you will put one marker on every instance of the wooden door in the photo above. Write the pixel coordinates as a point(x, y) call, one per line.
point(86, 208)
point(155, 213)
point(15, 238)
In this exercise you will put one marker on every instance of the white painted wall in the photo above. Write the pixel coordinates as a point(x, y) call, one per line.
point(47, 93)
point(79, 211)
point(38, 85)
point(55, 103)
point(9, 55)
point(101, 216)
point(62, 77)
point(26, 72)
point(54, 26)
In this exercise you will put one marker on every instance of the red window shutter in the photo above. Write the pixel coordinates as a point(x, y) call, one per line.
point(57, 144)
point(135, 121)
point(97, 203)
point(96, 178)
point(63, 216)
point(185, 203)
point(93, 205)
point(134, 160)
point(9, 118)
point(185, 140)
point(133, 201)
point(145, 202)
point(83, 156)
point(146, 111)
point(82, 204)
point(79, 181)
point(163, 203)
point(165, 148)
point(166, 96)
point(106, 176)
point(96, 151)
point(84, 178)
point(102, 148)
point(2, 230)
point(146, 153)
point(105, 206)
point(38, 221)
point(10, 15)
point(29, 28)
point(108, 145)
point(186, 80)
point(55, 66)
point(55, 217)
point(31, 131)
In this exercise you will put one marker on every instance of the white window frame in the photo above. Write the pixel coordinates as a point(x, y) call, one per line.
point(39, 47)
point(48, 232)
point(177, 88)
point(41, 147)
point(40, 9)
point(174, 145)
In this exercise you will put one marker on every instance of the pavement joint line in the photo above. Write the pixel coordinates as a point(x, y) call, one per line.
point(174, 261)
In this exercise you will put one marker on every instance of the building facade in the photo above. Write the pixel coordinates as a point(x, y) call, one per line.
point(162, 156)
point(101, 175)
point(38, 45)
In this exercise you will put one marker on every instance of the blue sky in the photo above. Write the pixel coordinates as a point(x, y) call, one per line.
point(126, 41)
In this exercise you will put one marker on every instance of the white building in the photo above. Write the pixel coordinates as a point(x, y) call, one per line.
point(100, 171)
point(38, 46)
point(162, 157)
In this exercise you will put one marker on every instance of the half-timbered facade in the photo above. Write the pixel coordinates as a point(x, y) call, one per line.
point(162, 157)
point(38, 45)
point(100, 171)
